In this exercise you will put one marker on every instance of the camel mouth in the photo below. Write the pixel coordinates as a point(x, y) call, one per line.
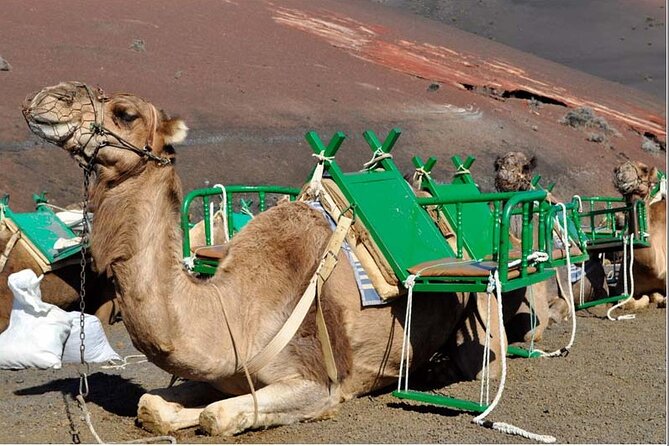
point(43, 112)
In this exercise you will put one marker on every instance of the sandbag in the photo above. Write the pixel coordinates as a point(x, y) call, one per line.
point(97, 347)
point(43, 336)
point(37, 331)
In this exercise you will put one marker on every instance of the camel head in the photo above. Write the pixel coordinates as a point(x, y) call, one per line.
point(634, 180)
point(514, 172)
point(119, 131)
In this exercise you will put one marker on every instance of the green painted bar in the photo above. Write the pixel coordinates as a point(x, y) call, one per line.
point(513, 350)
point(439, 400)
point(606, 300)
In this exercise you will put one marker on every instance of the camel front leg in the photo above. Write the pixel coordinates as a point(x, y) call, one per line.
point(167, 410)
point(278, 404)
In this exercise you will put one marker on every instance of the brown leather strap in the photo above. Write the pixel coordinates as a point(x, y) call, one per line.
point(286, 333)
point(8, 249)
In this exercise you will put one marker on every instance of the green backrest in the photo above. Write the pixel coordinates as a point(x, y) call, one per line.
point(402, 229)
point(385, 203)
point(477, 220)
point(43, 228)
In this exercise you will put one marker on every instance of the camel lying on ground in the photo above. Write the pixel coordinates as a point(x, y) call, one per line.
point(514, 172)
point(59, 287)
point(206, 330)
point(635, 181)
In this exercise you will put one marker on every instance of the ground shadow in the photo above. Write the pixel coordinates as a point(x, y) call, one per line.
point(113, 393)
point(426, 408)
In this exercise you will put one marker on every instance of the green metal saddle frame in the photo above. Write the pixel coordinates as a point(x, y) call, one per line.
point(548, 215)
point(404, 231)
point(41, 229)
point(236, 220)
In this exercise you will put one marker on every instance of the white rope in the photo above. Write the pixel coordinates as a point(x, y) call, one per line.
point(377, 156)
point(485, 367)
point(87, 418)
point(126, 361)
point(223, 208)
point(315, 185)
point(580, 203)
point(581, 291)
point(404, 358)
point(536, 256)
point(626, 271)
point(418, 175)
point(570, 300)
point(189, 262)
point(480, 419)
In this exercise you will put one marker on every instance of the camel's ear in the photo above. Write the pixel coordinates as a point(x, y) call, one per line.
point(498, 163)
point(174, 131)
point(533, 163)
point(652, 175)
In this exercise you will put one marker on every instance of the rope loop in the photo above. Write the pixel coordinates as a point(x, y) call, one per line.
point(378, 155)
point(462, 170)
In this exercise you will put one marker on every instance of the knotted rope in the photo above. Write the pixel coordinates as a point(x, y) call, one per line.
point(377, 156)
point(480, 419)
point(315, 185)
point(570, 301)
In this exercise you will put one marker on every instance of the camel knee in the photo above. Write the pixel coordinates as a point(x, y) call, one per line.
point(559, 311)
point(277, 404)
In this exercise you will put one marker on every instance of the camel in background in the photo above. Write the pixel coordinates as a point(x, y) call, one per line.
point(207, 330)
point(635, 181)
point(514, 172)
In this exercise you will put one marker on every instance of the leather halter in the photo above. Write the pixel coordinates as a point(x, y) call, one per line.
point(98, 128)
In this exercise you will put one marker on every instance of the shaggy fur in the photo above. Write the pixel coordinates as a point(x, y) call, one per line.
point(513, 172)
point(204, 330)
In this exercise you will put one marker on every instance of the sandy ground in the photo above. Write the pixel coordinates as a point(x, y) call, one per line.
point(250, 86)
point(610, 389)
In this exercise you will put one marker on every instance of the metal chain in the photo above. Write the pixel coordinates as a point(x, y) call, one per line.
point(83, 382)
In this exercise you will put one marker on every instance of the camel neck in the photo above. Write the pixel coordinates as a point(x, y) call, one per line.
point(137, 238)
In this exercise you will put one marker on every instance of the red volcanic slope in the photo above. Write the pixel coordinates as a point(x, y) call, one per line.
point(251, 77)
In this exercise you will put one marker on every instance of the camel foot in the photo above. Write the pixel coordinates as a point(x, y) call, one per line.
point(659, 299)
point(637, 304)
point(162, 417)
point(535, 335)
point(558, 311)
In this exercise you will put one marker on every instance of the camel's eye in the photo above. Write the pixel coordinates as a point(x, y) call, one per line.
point(125, 115)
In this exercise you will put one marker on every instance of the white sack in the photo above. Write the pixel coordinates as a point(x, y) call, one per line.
point(36, 331)
point(42, 335)
point(97, 346)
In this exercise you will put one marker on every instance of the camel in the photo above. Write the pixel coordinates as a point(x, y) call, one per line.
point(207, 330)
point(59, 287)
point(635, 181)
point(514, 172)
